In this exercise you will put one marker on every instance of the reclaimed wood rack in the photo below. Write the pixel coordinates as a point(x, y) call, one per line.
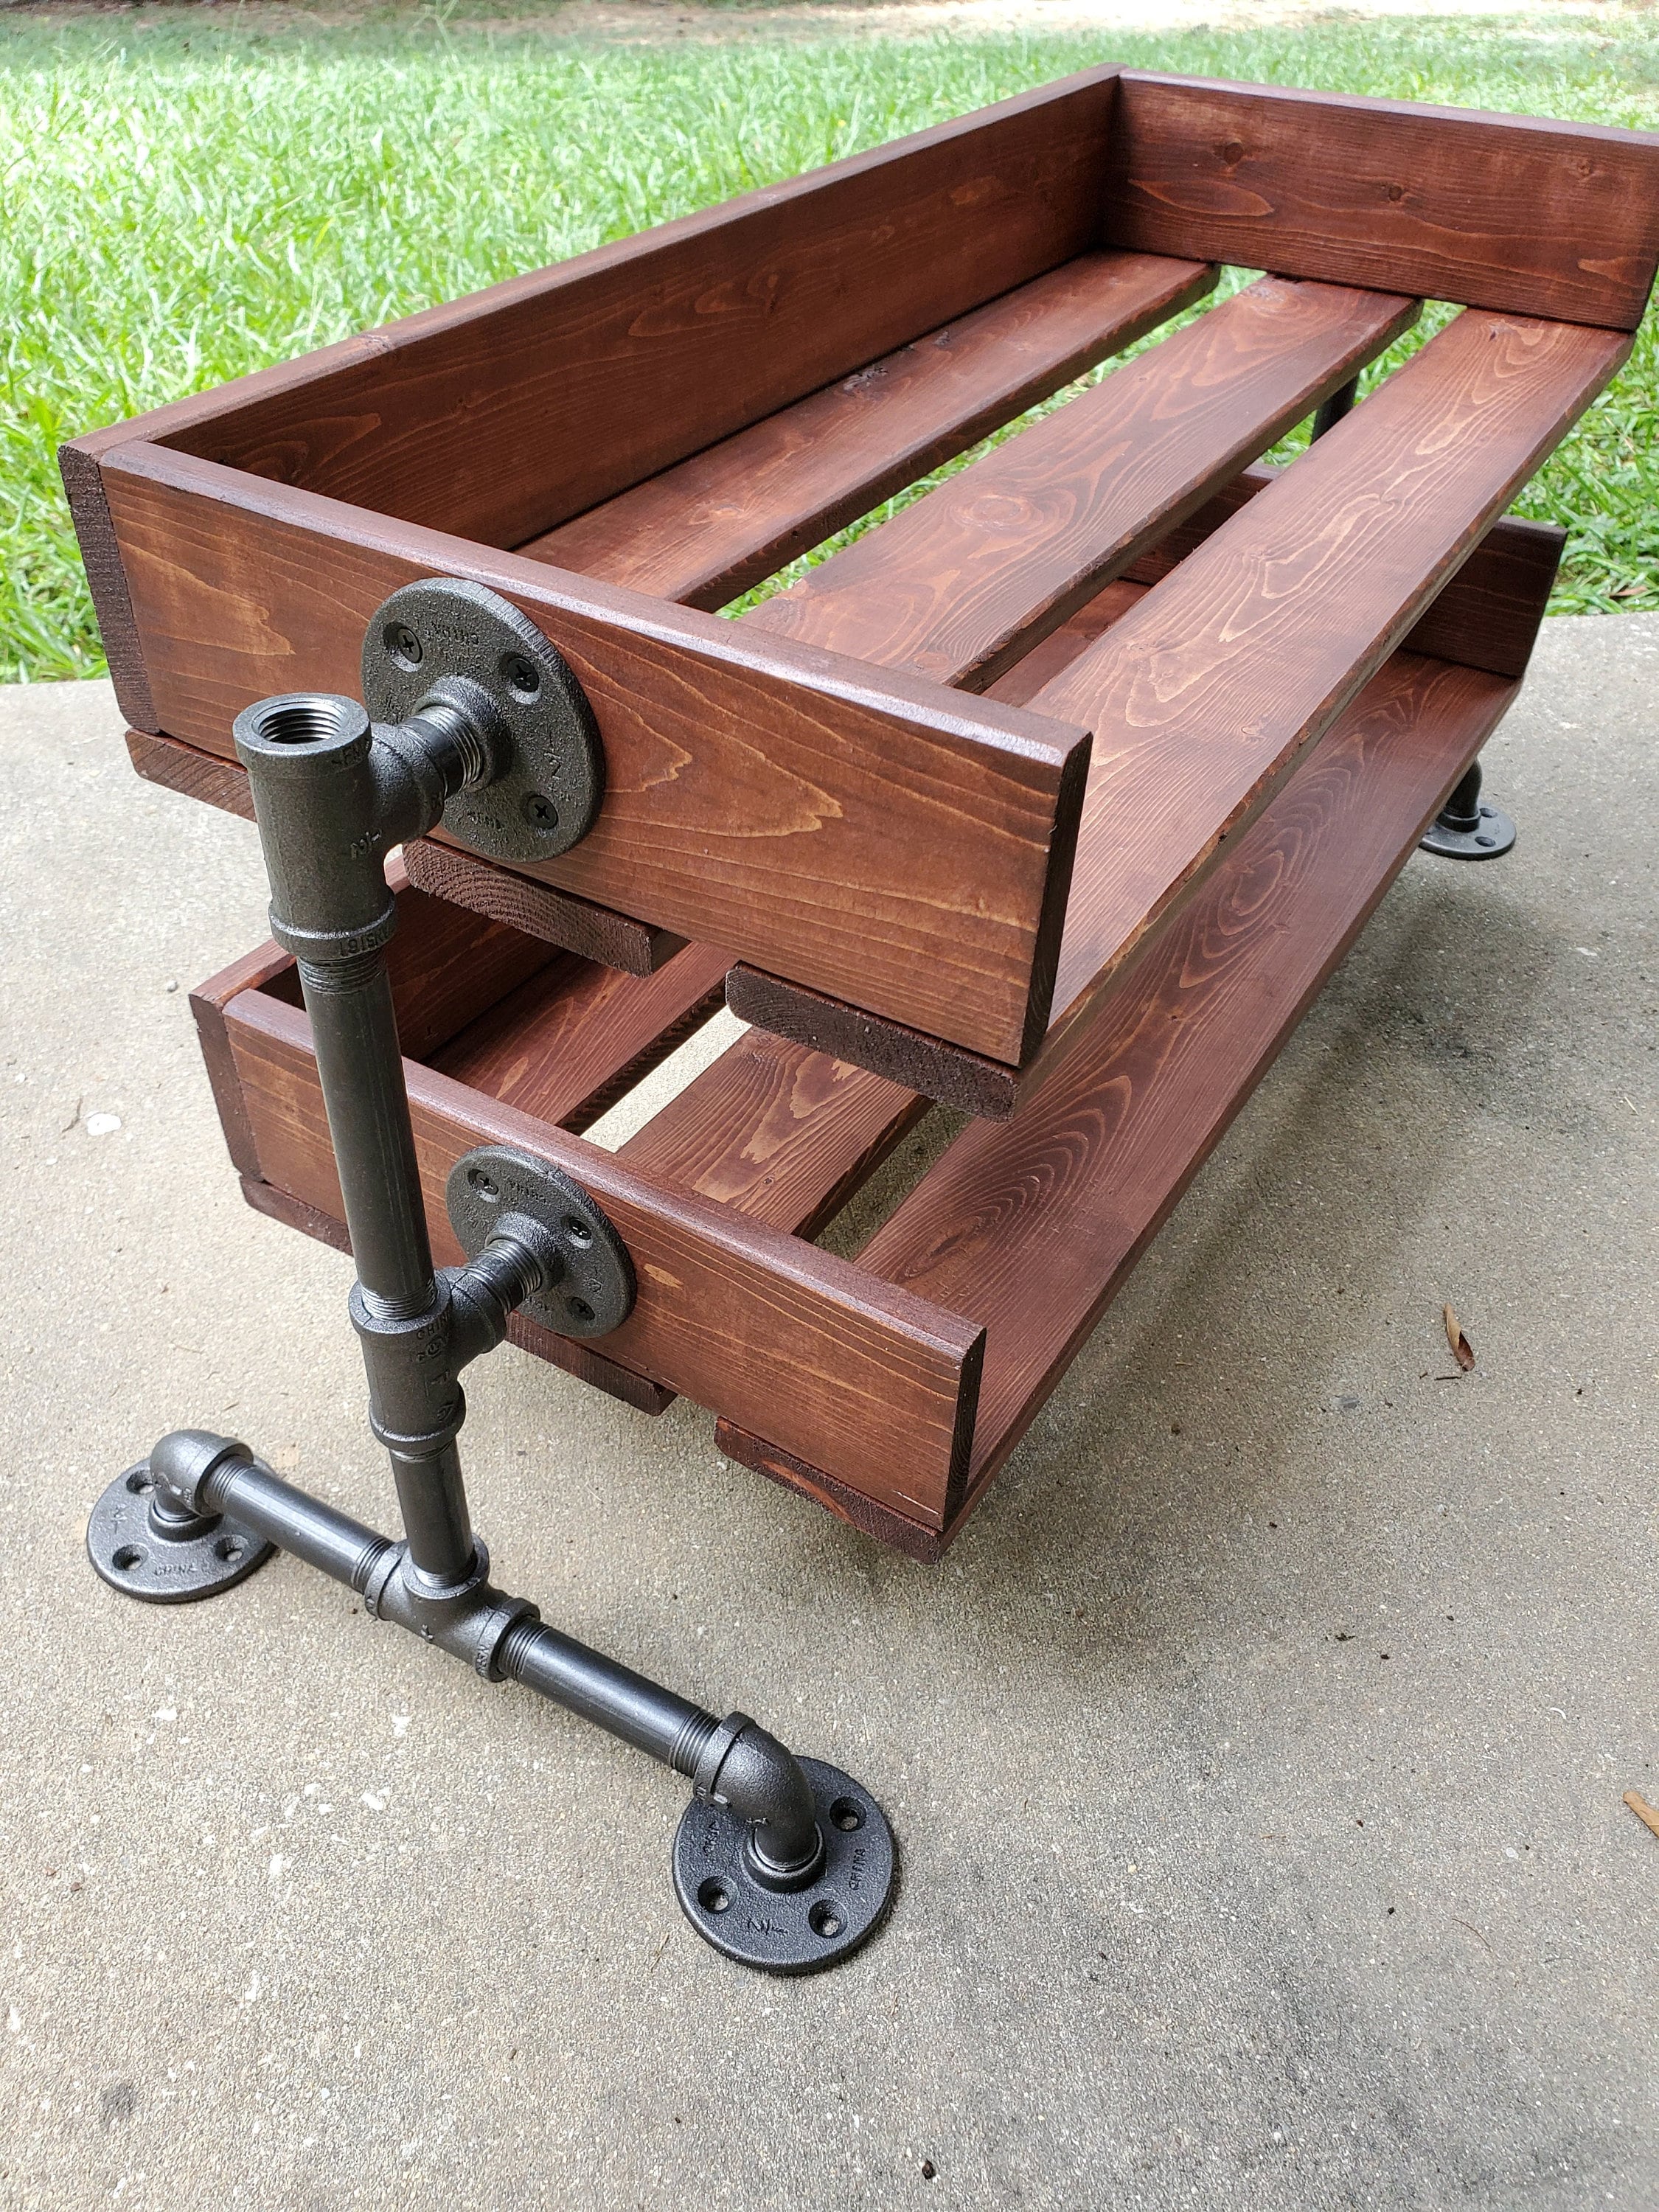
point(1054, 797)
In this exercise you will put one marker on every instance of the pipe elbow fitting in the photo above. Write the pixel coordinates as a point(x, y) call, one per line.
point(747, 1770)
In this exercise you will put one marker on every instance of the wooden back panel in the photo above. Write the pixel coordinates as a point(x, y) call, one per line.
point(1506, 211)
point(504, 414)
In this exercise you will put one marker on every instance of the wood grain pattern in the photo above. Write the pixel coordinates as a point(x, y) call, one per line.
point(597, 933)
point(1486, 616)
point(704, 531)
point(190, 772)
point(729, 1310)
point(959, 584)
point(576, 1359)
point(567, 1044)
point(775, 1131)
point(1507, 212)
point(83, 487)
point(1031, 1225)
point(860, 833)
point(601, 371)
point(1203, 694)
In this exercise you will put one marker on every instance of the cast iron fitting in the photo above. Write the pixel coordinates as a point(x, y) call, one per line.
point(520, 1258)
point(334, 793)
point(182, 1463)
point(471, 1620)
point(759, 1782)
point(415, 1404)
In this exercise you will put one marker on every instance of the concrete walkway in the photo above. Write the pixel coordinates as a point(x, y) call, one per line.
point(1257, 1756)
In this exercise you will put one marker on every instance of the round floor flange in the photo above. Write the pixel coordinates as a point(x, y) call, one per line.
point(125, 1550)
point(546, 796)
point(789, 1931)
point(1491, 838)
point(594, 1293)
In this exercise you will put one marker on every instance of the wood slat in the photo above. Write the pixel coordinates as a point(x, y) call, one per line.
point(557, 917)
point(1487, 616)
point(1510, 212)
point(729, 1310)
point(1203, 697)
point(775, 1131)
point(1031, 1225)
point(959, 584)
point(858, 832)
point(502, 415)
point(706, 529)
point(567, 1044)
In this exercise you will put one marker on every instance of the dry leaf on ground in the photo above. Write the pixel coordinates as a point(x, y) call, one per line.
point(1463, 1350)
point(1642, 1810)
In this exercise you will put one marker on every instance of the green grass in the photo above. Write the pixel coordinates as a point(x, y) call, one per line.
point(188, 196)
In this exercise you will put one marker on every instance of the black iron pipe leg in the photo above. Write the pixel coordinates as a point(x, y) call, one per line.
point(785, 1864)
point(1469, 828)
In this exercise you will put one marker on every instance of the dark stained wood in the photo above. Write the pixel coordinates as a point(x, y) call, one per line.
point(567, 1044)
point(1204, 695)
point(909, 1058)
point(83, 487)
point(1031, 1225)
point(576, 1359)
point(207, 1003)
point(960, 584)
point(539, 910)
point(860, 833)
point(871, 1383)
point(1486, 616)
point(187, 769)
point(505, 414)
point(926, 1545)
point(1507, 212)
point(704, 531)
point(775, 1131)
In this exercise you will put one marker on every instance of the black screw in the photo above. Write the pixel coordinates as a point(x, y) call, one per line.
point(523, 677)
point(540, 811)
point(405, 646)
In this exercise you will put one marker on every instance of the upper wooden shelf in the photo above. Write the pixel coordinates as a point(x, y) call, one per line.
point(909, 863)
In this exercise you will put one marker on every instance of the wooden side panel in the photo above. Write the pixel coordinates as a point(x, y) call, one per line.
point(1031, 1225)
point(705, 531)
point(508, 412)
point(1506, 212)
point(959, 584)
point(860, 833)
point(875, 1382)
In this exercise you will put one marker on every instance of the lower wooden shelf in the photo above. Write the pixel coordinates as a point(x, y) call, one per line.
point(891, 1387)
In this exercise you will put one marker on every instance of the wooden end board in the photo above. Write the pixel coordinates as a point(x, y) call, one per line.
point(1508, 212)
point(857, 831)
point(730, 1311)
